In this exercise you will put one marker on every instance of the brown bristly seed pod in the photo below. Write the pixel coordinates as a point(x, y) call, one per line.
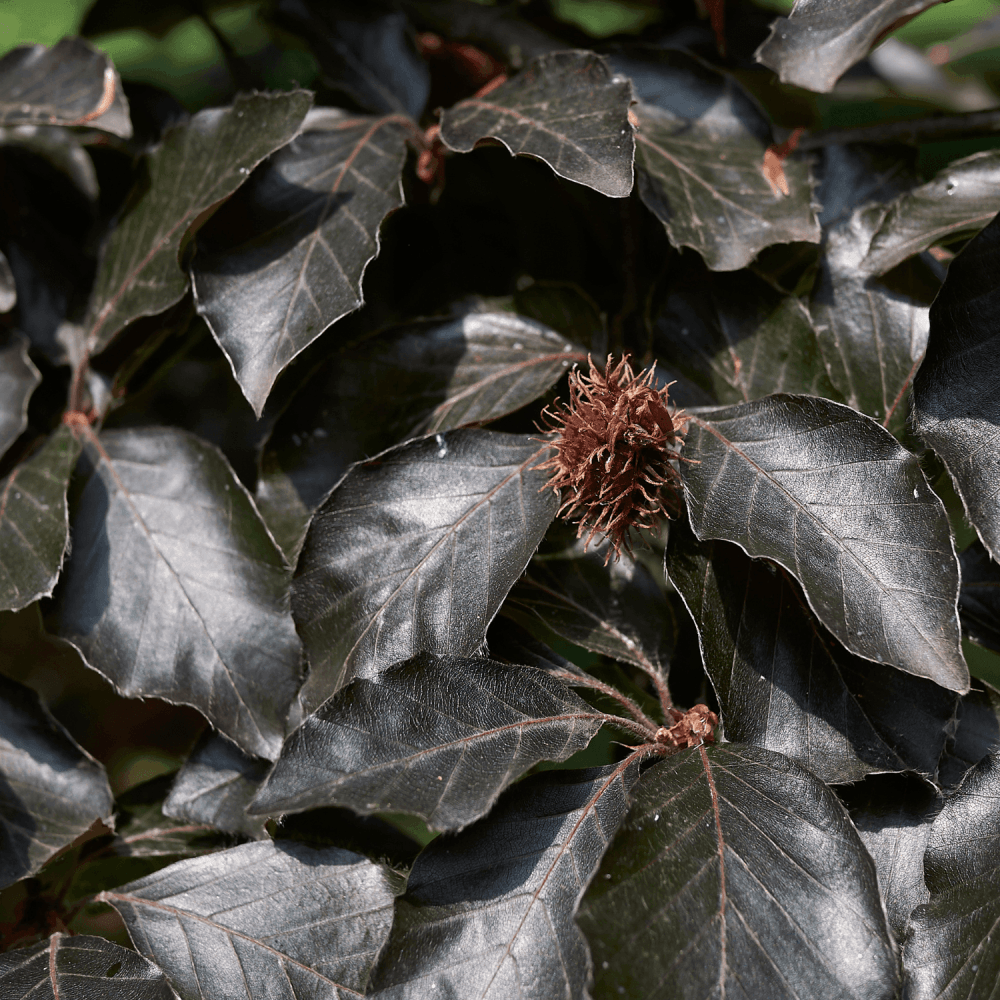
point(618, 438)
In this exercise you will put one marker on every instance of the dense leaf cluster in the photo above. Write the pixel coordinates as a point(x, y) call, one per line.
point(274, 466)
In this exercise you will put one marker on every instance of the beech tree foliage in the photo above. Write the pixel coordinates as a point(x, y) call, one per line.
point(506, 514)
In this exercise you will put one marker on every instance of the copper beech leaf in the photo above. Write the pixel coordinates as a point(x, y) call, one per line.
point(819, 41)
point(979, 599)
point(175, 589)
point(956, 392)
point(8, 290)
point(700, 147)
point(34, 523)
point(416, 549)
point(81, 967)
point(285, 257)
point(564, 108)
point(785, 684)
point(830, 495)
point(51, 789)
point(952, 949)
point(422, 377)
point(267, 919)
point(196, 166)
point(215, 785)
point(482, 920)
point(72, 83)
point(18, 380)
point(737, 874)
point(461, 730)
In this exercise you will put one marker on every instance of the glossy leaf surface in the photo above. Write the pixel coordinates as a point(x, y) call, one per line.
point(832, 497)
point(438, 736)
point(18, 379)
point(616, 609)
point(785, 684)
point(481, 920)
point(70, 84)
point(448, 522)
point(952, 951)
point(34, 525)
point(419, 378)
point(365, 51)
point(215, 785)
point(956, 392)
point(959, 201)
point(285, 258)
point(8, 291)
point(566, 109)
point(266, 919)
point(198, 165)
point(175, 589)
point(737, 873)
point(82, 967)
point(51, 790)
point(738, 338)
point(819, 41)
point(699, 150)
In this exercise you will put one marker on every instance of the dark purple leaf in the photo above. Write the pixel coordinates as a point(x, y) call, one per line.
point(958, 202)
point(830, 495)
point(215, 785)
point(699, 155)
point(82, 967)
point(266, 919)
point(979, 598)
point(615, 608)
point(820, 41)
point(977, 733)
point(785, 684)
point(34, 524)
point(285, 258)
point(197, 166)
point(893, 815)
point(482, 920)
point(8, 292)
point(737, 873)
point(70, 84)
point(51, 789)
point(437, 736)
point(18, 379)
point(952, 949)
point(956, 393)
point(564, 108)
point(367, 52)
point(419, 378)
point(416, 549)
point(175, 589)
point(738, 338)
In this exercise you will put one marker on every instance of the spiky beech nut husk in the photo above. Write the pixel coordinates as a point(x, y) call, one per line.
point(618, 440)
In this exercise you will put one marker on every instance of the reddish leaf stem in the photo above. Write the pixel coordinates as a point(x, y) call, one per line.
point(585, 680)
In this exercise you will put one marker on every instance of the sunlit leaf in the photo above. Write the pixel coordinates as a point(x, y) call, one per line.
point(699, 150)
point(81, 967)
point(51, 789)
point(70, 84)
point(831, 496)
point(461, 731)
point(482, 920)
point(18, 380)
point(285, 258)
point(8, 292)
point(819, 41)
point(34, 524)
point(416, 549)
point(737, 872)
point(270, 919)
point(175, 589)
point(566, 109)
point(197, 166)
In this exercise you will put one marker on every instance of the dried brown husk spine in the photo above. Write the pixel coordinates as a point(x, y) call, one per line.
point(616, 452)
